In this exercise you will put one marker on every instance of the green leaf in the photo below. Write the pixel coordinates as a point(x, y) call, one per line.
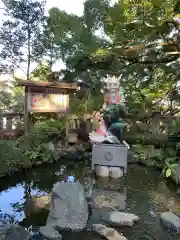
point(174, 165)
point(34, 155)
point(157, 3)
point(168, 172)
point(168, 164)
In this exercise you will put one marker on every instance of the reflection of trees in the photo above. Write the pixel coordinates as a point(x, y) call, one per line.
point(40, 180)
point(164, 197)
point(35, 220)
point(7, 219)
point(11, 181)
point(44, 179)
point(27, 189)
point(18, 207)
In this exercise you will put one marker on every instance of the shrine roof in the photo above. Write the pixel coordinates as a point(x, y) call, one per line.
point(58, 85)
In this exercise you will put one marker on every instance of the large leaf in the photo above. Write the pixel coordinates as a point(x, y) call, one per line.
point(168, 173)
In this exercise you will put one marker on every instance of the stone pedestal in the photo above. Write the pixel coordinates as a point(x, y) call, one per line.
point(105, 171)
point(115, 172)
point(102, 171)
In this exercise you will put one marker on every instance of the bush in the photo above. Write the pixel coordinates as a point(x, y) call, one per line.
point(11, 157)
point(43, 133)
point(58, 124)
point(34, 144)
point(31, 148)
point(158, 157)
point(41, 154)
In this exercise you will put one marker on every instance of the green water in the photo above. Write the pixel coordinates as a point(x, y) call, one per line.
point(147, 195)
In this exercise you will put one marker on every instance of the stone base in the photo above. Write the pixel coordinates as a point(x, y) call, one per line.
point(115, 172)
point(102, 171)
point(112, 172)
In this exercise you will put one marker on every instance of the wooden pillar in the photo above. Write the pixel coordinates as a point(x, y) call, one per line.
point(9, 123)
point(166, 122)
point(88, 126)
point(26, 113)
point(73, 123)
point(67, 130)
point(155, 124)
point(1, 124)
point(18, 124)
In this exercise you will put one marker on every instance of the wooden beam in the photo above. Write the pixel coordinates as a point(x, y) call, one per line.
point(9, 114)
point(58, 85)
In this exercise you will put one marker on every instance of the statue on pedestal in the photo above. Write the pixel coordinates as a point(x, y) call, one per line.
point(110, 119)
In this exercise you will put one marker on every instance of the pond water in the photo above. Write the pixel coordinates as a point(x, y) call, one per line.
point(145, 194)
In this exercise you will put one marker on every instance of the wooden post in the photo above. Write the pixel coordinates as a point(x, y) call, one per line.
point(9, 123)
point(166, 122)
point(1, 123)
point(88, 125)
point(67, 130)
point(18, 124)
point(155, 124)
point(26, 113)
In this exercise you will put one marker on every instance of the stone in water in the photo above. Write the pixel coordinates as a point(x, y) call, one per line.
point(108, 233)
point(171, 221)
point(69, 209)
point(120, 219)
point(49, 233)
point(13, 232)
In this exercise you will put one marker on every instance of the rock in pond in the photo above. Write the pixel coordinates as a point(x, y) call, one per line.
point(69, 209)
point(36, 204)
point(108, 233)
point(49, 233)
point(171, 221)
point(13, 232)
point(108, 199)
point(120, 219)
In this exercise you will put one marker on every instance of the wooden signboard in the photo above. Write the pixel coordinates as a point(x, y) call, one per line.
point(48, 100)
point(46, 97)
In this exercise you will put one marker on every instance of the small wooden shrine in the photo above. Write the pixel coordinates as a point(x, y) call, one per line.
point(46, 97)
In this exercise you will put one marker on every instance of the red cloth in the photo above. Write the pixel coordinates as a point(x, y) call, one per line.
point(102, 129)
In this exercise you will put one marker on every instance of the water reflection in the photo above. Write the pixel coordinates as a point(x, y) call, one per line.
point(71, 179)
point(12, 201)
point(37, 183)
point(142, 192)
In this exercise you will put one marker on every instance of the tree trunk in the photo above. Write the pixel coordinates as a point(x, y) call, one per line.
point(29, 53)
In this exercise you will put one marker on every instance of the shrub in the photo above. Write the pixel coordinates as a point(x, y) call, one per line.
point(46, 131)
point(174, 135)
point(11, 157)
point(31, 148)
point(41, 154)
point(34, 146)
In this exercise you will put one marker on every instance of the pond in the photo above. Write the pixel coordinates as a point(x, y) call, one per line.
point(145, 194)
